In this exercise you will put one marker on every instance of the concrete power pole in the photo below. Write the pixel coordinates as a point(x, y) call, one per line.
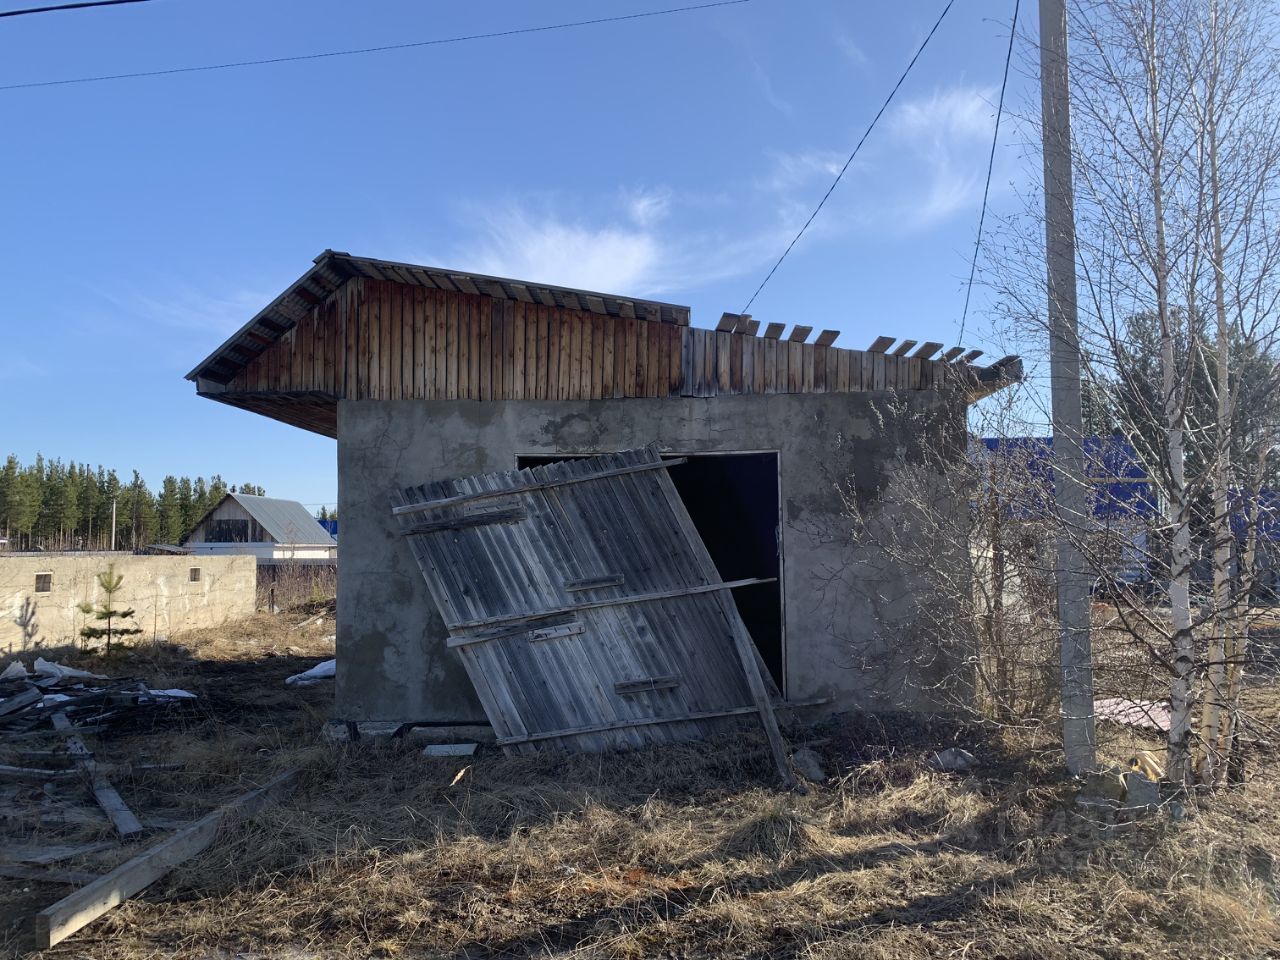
point(1078, 734)
point(113, 524)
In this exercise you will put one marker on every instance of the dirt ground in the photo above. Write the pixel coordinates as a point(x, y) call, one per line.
point(687, 852)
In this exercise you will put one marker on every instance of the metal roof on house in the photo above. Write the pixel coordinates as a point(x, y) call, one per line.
point(333, 268)
point(285, 521)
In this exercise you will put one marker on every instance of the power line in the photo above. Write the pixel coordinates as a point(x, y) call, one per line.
point(66, 6)
point(991, 163)
point(381, 49)
point(874, 120)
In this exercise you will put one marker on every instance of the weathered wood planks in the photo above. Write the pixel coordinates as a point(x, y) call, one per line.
point(371, 339)
point(85, 905)
point(554, 667)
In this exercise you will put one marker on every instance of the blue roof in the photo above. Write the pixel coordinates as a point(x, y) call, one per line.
point(1121, 485)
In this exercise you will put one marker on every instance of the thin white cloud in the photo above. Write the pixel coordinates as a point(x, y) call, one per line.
point(517, 243)
point(765, 85)
point(850, 49)
point(186, 308)
point(648, 207)
point(926, 168)
point(945, 136)
point(631, 249)
point(791, 170)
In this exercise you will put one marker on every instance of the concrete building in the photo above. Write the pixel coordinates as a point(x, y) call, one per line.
point(271, 529)
point(41, 593)
point(424, 374)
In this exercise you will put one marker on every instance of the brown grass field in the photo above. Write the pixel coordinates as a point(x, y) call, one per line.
point(689, 852)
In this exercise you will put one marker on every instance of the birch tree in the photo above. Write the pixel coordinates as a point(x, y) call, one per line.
point(1176, 156)
point(1234, 110)
point(1138, 239)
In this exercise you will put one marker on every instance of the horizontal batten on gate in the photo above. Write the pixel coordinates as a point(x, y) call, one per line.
point(620, 601)
point(595, 583)
point(513, 515)
point(528, 487)
point(652, 721)
point(530, 634)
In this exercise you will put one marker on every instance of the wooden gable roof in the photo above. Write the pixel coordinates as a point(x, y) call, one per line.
point(355, 328)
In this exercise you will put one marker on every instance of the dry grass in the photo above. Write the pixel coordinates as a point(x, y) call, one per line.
point(687, 852)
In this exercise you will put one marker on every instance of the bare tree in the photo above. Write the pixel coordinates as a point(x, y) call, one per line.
point(1175, 153)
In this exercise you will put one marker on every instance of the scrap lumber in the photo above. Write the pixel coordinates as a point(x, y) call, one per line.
point(50, 853)
point(34, 773)
point(54, 924)
point(122, 818)
point(21, 701)
point(449, 749)
point(18, 871)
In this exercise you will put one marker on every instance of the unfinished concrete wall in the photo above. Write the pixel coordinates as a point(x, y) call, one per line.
point(160, 589)
point(392, 659)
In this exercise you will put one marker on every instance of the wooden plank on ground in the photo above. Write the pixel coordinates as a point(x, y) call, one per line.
point(122, 818)
point(54, 924)
point(52, 853)
point(18, 871)
point(20, 701)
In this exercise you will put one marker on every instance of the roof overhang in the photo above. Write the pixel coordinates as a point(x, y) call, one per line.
point(332, 269)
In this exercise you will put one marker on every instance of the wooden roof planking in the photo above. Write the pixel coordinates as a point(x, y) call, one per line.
point(358, 328)
point(585, 607)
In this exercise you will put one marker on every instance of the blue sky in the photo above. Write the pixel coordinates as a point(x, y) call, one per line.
point(673, 157)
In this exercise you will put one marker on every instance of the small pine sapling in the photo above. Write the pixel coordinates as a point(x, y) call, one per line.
point(109, 582)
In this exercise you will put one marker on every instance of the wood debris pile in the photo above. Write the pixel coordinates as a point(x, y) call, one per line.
point(59, 806)
point(88, 702)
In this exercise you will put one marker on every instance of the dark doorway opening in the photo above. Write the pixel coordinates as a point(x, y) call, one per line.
point(733, 501)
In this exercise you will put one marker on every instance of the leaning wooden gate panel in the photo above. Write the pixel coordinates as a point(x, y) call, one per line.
point(584, 606)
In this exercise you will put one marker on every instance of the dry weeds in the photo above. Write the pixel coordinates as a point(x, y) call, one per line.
point(686, 852)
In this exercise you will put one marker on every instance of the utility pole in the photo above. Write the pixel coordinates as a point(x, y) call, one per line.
point(113, 524)
point(1079, 739)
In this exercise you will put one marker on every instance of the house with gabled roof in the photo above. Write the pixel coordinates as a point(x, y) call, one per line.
point(272, 529)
